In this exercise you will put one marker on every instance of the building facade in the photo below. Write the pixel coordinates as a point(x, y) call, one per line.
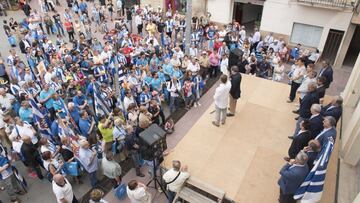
point(320, 24)
point(331, 26)
point(349, 167)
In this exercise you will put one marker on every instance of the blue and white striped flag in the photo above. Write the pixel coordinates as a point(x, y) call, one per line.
point(311, 189)
point(101, 107)
point(42, 120)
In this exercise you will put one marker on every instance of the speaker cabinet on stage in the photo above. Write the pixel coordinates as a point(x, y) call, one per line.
point(234, 56)
point(152, 142)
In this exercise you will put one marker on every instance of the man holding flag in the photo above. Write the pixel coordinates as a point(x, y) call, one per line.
point(292, 175)
point(311, 189)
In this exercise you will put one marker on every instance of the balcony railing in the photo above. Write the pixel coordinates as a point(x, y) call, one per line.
point(329, 3)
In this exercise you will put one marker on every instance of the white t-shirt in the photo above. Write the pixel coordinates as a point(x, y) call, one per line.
point(138, 195)
point(25, 130)
point(176, 185)
point(64, 192)
point(193, 67)
point(5, 101)
point(128, 101)
point(48, 76)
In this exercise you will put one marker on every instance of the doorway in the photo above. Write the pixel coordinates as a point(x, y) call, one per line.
point(354, 49)
point(332, 45)
point(176, 5)
point(247, 14)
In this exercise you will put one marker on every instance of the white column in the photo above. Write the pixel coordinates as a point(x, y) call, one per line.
point(351, 93)
point(351, 139)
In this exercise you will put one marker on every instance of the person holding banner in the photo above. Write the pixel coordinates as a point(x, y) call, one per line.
point(292, 175)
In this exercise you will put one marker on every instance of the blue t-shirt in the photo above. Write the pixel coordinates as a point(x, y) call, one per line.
point(161, 76)
point(84, 125)
point(44, 94)
point(25, 114)
point(83, 6)
point(295, 52)
point(78, 101)
point(178, 74)
point(75, 114)
point(156, 84)
point(54, 128)
point(147, 80)
point(168, 69)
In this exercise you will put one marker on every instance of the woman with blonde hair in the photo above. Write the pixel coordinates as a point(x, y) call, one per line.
point(96, 196)
point(144, 118)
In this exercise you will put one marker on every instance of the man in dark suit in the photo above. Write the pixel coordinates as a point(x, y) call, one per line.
point(316, 120)
point(329, 131)
point(300, 141)
point(235, 91)
point(292, 176)
point(321, 89)
point(304, 111)
point(327, 72)
point(333, 109)
point(312, 150)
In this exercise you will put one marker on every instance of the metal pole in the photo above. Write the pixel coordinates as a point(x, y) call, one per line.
point(188, 25)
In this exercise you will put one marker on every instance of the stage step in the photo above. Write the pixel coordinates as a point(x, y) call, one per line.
point(191, 196)
point(196, 191)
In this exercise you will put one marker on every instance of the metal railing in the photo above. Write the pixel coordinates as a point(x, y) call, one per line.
point(329, 3)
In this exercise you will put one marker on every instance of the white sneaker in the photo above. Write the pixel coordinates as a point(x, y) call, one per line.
point(195, 105)
point(198, 104)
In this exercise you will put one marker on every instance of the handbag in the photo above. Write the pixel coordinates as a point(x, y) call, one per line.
point(120, 192)
point(72, 168)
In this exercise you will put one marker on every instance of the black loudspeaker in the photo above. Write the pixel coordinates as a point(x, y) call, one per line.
point(234, 56)
point(152, 142)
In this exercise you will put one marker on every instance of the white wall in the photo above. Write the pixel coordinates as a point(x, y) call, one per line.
point(198, 5)
point(153, 3)
point(279, 16)
point(221, 10)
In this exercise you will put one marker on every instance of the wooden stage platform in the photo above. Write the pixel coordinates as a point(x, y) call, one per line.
point(244, 156)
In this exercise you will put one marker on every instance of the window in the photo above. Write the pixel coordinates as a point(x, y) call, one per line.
point(306, 35)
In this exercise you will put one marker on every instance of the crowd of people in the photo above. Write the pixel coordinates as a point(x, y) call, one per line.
point(68, 105)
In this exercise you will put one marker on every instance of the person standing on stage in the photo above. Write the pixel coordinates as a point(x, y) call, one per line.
point(292, 175)
point(175, 178)
point(235, 91)
point(221, 99)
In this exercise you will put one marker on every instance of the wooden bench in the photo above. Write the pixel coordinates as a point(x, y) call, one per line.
point(196, 191)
